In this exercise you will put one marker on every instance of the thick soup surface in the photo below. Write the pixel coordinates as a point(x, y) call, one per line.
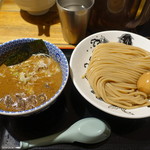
point(30, 83)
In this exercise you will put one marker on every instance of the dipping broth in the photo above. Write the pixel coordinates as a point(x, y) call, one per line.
point(30, 83)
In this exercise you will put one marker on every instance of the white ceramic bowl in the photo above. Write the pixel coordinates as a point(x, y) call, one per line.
point(35, 7)
point(80, 59)
point(57, 55)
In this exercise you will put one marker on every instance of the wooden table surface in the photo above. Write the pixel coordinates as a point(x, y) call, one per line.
point(16, 23)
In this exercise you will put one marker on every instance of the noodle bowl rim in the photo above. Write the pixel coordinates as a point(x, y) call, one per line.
point(79, 55)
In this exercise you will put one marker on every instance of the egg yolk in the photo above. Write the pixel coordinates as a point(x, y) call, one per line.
point(143, 83)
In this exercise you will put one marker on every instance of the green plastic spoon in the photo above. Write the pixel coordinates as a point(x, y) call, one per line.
point(88, 130)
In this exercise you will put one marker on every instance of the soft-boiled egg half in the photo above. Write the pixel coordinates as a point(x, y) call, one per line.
point(143, 83)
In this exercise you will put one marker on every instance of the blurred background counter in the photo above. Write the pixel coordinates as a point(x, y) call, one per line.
point(16, 23)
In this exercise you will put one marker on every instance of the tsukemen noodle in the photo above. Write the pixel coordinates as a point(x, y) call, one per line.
point(113, 72)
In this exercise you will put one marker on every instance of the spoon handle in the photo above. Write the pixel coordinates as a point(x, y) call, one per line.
point(44, 141)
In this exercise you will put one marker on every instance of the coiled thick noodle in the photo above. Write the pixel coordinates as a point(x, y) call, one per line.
point(113, 72)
